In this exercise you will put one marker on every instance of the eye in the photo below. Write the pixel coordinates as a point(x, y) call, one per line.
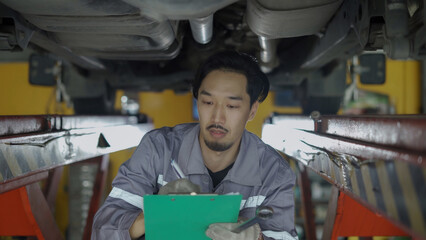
point(233, 106)
point(207, 102)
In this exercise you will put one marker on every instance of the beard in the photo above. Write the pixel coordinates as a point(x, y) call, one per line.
point(215, 146)
point(218, 147)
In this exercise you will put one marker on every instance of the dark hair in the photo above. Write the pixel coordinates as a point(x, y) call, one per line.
point(257, 82)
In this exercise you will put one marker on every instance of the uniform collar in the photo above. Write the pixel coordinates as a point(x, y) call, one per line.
point(246, 169)
point(190, 153)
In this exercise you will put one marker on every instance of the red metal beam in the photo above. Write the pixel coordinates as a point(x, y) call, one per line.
point(13, 125)
point(50, 188)
point(41, 211)
point(98, 188)
point(377, 160)
point(402, 132)
point(307, 205)
point(22, 181)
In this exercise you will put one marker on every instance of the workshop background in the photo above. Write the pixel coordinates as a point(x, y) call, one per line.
point(400, 94)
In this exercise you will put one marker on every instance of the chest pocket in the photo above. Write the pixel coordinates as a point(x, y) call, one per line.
point(167, 175)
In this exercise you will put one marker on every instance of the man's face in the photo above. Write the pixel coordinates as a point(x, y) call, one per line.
point(224, 109)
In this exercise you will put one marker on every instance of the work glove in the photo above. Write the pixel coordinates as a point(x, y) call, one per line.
point(182, 185)
point(222, 231)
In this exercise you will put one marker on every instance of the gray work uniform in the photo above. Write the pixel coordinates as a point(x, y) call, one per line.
point(259, 173)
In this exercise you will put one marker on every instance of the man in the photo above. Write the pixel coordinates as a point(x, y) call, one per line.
point(217, 155)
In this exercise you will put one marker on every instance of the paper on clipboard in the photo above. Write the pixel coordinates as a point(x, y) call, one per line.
point(187, 216)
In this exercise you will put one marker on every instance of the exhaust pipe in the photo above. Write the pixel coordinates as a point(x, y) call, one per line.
point(202, 29)
point(268, 54)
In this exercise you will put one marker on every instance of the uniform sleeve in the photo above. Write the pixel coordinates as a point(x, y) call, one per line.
point(136, 177)
point(280, 197)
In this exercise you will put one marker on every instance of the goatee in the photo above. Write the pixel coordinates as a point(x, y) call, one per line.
point(217, 147)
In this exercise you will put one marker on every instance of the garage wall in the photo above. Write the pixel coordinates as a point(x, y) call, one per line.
point(403, 86)
point(18, 97)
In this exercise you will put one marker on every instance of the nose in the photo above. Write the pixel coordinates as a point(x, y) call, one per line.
point(218, 115)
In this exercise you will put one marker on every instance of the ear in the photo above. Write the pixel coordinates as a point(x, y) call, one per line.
point(253, 110)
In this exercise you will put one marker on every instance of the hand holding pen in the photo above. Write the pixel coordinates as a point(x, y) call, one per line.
point(181, 185)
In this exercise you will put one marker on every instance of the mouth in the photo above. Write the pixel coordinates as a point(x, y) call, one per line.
point(217, 131)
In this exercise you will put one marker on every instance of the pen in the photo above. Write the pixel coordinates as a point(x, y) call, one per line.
point(177, 169)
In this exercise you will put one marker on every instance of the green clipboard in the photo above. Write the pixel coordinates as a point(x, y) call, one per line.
point(187, 216)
